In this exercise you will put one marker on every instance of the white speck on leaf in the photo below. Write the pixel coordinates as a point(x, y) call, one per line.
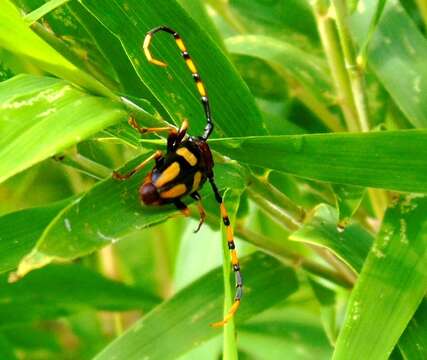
point(67, 225)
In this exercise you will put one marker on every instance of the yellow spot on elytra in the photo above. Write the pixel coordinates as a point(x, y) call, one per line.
point(196, 181)
point(181, 45)
point(174, 192)
point(169, 174)
point(201, 88)
point(191, 65)
point(187, 155)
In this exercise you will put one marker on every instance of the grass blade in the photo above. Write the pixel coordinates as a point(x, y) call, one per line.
point(41, 116)
point(395, 160)
point(181, 323)
point(391, 285)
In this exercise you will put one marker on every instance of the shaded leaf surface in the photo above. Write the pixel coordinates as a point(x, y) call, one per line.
point(181, 323)
point(351, 245)
point(391, 285)
point(20, 231)
point(59, 290)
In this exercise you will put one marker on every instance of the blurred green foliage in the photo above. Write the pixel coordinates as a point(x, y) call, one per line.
point(320, 147)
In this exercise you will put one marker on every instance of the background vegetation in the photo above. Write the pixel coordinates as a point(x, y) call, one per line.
point(319, 146)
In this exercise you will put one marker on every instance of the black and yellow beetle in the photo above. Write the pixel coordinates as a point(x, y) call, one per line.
point(186, 165)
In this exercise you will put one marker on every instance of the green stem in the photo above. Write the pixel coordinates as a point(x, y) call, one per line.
point(357, 84)
point(83, 164)
point(330, 42)
point(292, 258)
point(354, 71)
point(229, 339)
point(275, 203)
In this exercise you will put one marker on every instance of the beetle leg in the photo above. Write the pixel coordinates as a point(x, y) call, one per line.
point(175, 137)
point(182, 207)
point(195, 195)
point(156, 156)
point(143, 130)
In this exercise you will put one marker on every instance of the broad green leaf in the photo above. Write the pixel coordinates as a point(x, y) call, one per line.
point(309, 70)
point(58, 290)
point(232, 106)
point(113, 51)
point(16, 36)
point(182, 323)
point(107, 213)
point(395, 160)
point(391, 285)
point(351, 244)
point(292, 17)
point(20, 231)
point(327, 301)
point(197, 10)
point(41, 116)
point(285, 333)
point(413, 342)
point(396, 48)
point(6, 349)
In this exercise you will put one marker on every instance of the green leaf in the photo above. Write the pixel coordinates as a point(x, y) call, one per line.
point(396, 48)
point(395, 160)
point(107, 213)
point(327, 301)
point(391, 285)
point(182, 323)
point(6, 349)
point(232, 106)
point(291, 17)
point(413, 342)
point(347, 199)
point(46, 8)
point(310, 73)
point(351, 245)
point(20, 231)
point(16, 36)
point(59, 290)
point(285, 333)
point(41, 116)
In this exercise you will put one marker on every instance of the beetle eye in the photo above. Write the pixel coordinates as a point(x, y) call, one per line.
point(148, 193)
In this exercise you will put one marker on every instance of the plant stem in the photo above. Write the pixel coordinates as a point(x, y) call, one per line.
point(229, 338)
point(354, 71)
point(328, 35)
point(275, 203)
point(292, 257)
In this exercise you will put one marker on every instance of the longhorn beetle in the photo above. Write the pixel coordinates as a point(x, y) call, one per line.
point(186, 165)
